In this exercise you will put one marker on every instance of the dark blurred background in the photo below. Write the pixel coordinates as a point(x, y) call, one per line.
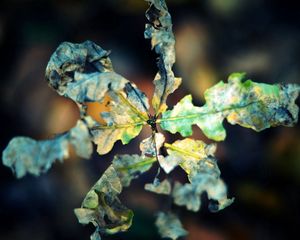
point(214, 38)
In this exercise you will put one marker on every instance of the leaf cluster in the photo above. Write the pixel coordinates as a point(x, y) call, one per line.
point(84, 73)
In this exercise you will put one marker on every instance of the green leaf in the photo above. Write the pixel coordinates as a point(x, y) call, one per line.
point(249, 104)
point(25, 155)
point(205, 177)
point(188, 152)
point(130, 167)
point(102, 207)
point(185, 114)
point(158, 187)
point(162, 40)
point(169, 226)
point(124, 121)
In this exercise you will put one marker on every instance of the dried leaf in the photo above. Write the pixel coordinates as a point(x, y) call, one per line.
point(169, 226)
point(92, 87)
point(25, 155)
point(124, 121)
point(82, 72)
point(130, 167)
point(162, 39)
point(158, 187)
point(151, 145)
point(204, 177)
point(102, 207)
point(249, 104)
point(187, 195)
point(80, 139)
point(71, 58)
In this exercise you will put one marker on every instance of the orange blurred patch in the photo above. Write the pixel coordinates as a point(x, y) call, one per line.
point(94, 109)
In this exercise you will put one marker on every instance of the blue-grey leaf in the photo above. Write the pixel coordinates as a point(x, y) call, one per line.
point(25, 155)
point(205, 177)
point(169, 226)
point(159, 30)
point(130, 167)
point(158, 187)
point(69, 58)
point(151, 145)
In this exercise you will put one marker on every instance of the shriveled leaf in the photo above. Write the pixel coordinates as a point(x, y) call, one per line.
point(162, 40)
point(249, 104)
point(71, 58)
point(218, 193)
point(169, 226)
point(109, 183)
point(158, 187)
point(102, 207)
point(130, 167)
point(25, 155)
point(82, 72)
point(205, 177)
point(215, 188)
point(92, 87)
point(188, 152)
point(124, 121)
point(187, 195)
point(151, 145)
point(80, 139)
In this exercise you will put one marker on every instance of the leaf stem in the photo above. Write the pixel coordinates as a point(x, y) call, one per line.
point(118, 126)
point(203, 114)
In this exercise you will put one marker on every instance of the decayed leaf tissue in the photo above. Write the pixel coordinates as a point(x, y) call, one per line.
point(83, 72)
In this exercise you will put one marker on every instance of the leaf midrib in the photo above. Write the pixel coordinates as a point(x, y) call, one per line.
point(137, 165)
point(200, 115)
point(180, 150)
